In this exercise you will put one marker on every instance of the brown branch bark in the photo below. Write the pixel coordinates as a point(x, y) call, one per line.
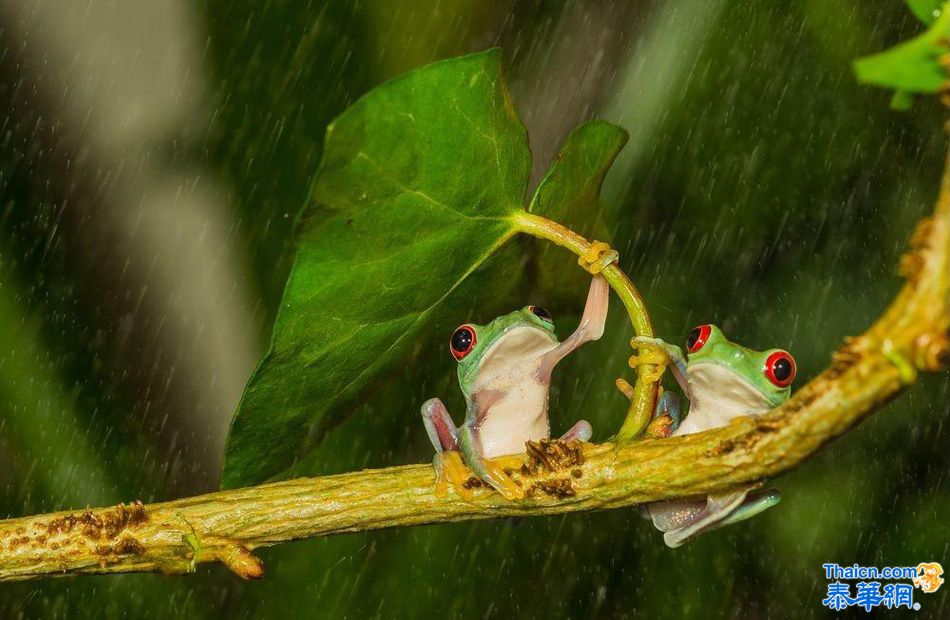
point(173, 537)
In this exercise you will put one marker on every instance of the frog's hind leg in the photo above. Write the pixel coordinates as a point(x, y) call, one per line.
point(449, 468)
point(439, 426)
point(755, 503)
point(581, 431)
point(682, 520)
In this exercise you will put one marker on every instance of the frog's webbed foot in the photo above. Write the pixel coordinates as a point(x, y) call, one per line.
point(450, 470)
point(682, 520)
point(598, 256)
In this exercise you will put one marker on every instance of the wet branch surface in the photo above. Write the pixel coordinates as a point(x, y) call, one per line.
point(173, 537)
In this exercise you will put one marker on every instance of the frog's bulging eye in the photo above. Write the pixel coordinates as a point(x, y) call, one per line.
point(780, 368)
point(463, 341)
point(541, 313)
point(697, 338)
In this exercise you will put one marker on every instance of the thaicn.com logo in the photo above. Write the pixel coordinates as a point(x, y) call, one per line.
point(870, 587)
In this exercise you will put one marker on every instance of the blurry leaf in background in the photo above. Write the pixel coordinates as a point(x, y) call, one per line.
point(417, 184)
point(570, 194)
point(926, 11)
point(44, 438)
point(275, 92)
point(912, 67)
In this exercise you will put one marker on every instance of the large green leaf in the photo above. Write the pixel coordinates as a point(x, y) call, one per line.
point(913, 66)
point(570, 190)
point(416, 189)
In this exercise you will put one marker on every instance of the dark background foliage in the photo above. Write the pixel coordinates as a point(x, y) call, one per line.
point(155, 155)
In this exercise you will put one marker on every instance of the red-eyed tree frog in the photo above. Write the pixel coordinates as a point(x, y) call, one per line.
point(504, 370)
point(722, 381)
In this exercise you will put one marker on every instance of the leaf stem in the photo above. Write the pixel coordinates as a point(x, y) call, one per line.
point(644, 393)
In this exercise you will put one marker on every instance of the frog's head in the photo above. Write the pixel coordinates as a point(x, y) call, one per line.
point(499, 346)
point(732, 375)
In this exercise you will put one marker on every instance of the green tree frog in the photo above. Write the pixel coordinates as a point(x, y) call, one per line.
point(504, 370)
point(722, 381)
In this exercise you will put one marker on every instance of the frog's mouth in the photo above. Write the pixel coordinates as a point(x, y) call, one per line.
point(514, 350)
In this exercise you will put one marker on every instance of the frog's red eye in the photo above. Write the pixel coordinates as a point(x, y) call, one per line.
point(697, 338)
point(780, 368)
point(463, 341)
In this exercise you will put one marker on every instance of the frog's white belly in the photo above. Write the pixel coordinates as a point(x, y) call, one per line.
point(520, 415)
point(717, 397)
point(517, 410)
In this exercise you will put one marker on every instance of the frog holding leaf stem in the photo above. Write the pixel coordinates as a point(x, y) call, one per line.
point(722, 381)
point(504, 370)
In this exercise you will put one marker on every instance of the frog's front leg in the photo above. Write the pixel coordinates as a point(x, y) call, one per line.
point(449, 468)
point(590, 328)
point(657, 354)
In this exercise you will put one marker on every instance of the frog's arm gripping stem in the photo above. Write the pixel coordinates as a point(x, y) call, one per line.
point(590, 328)
point(597, 257)
point(654, 353)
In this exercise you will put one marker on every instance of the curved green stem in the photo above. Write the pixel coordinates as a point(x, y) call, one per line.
point(644, 393)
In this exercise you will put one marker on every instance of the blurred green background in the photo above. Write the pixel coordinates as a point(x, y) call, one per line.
point(155, 154)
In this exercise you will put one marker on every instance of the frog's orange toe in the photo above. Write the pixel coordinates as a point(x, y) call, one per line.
point(451, 471)
point(500, 480)
point(512, 491)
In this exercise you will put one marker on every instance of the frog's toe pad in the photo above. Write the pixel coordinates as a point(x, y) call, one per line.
point(625, 388)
